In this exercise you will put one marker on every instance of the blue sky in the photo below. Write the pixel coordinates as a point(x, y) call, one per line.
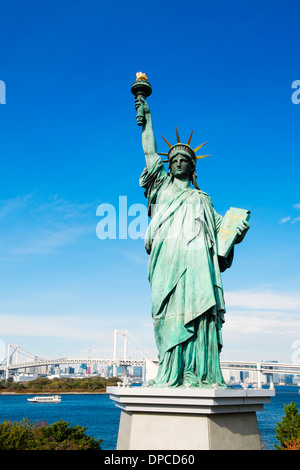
point(69, 143)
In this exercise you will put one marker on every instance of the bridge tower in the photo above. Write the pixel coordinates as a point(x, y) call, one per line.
point(115, 358)
point(9, 358)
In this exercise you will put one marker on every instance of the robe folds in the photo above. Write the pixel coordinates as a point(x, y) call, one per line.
point(186, 288)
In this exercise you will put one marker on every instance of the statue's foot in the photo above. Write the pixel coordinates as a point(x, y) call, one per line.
point(149, 383)
point(190, 379)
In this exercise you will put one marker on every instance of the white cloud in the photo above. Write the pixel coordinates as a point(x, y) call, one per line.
point(79, 331)
point(289, 219)
point(284, 220)
point(48, 326)
point(261, 324)
point(45, 241)
point(277, 324)
point(31, 225)
point(268, 299)
point(258, 324)
point(256, 336)
point(14, 205)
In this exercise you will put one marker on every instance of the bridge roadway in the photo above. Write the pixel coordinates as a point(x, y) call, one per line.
point(262, 367)
point(65, 360)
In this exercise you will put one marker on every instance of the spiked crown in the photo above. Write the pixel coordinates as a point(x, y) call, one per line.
point(182, 149)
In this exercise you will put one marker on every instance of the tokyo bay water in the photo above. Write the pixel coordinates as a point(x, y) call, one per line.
point(100, 415)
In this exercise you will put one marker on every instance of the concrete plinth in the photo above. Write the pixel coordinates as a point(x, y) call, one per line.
point(188, 419)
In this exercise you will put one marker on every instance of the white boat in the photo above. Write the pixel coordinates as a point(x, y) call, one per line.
point(50, 399)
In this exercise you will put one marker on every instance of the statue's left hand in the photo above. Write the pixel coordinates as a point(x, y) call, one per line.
point(140, 101)
point(242, 228)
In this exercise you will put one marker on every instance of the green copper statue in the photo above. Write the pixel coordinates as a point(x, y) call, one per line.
point(184, 262)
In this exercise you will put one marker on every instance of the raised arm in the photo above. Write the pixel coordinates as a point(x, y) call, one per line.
point(148, 138)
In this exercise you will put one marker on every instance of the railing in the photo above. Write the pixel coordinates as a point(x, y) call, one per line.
point(12, 362)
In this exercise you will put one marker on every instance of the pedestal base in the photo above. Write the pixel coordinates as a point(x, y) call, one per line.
point(194, 419)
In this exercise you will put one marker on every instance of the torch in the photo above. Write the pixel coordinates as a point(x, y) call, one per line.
point(141, 88)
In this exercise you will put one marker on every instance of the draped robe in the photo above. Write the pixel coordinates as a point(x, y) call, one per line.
point(186, 287)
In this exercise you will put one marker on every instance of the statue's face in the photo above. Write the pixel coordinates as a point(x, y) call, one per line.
point(181, 167)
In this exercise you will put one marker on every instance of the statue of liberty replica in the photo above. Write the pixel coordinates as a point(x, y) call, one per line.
point(189, 246)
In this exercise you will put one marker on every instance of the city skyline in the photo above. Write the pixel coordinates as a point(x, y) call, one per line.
point(70, 144)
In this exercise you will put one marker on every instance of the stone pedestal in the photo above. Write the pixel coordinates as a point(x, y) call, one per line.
point(188, 419)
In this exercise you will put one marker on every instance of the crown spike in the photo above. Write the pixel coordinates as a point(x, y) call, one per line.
point(197, 148)
point(203, 156)
point(177, 135)
point(190, 138)
point(164, 154)
point(168, 143)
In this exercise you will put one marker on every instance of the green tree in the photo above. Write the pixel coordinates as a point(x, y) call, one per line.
point(288, 430)
point(39, 384)
point(45, 385)
point(63, 437)
point(16, 435)
point(25, 435)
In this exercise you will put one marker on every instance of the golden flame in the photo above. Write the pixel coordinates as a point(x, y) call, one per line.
point(141, 76)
